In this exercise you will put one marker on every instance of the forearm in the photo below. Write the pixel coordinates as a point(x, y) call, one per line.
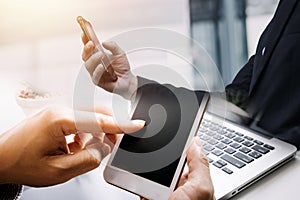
point(10, 153)
point(8, 190)
point(5, 164)
point(238, 91)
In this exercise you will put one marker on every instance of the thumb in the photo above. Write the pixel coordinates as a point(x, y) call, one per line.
point(198, 184)
point(197, 161)
point(199, 173)
point(83, 161)
point(113, 47)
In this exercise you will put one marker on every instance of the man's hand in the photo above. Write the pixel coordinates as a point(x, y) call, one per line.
point(126, 85)
point(36, 153)
point(195, 184)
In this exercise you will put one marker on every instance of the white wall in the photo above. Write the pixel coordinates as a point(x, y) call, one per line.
point(40, 39)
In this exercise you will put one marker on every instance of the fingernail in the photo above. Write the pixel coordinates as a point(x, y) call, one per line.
point(131, 126)
point(138, 122)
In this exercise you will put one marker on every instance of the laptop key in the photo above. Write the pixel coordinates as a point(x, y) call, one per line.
point(228, 171)
point(248, 143)
point(254, 154)
point(223, 163)
point(202, 130)
point(212, 141)
point(243, 157)
point(218, 137)
point(229, 130)
point(230, 135)
point(217, 152)
point(239, 134)
point(235, 145)
point(245, 150)
point(238, 139)
point(221, 146)
point(233, 161)
point(209, 148)
point(248, 138)
point(204, 137)
point(230, 150)
point(218, 165)
point(269, 147)
point(214, 128)
point(210, 133)
point(260, 149)
point(222, 132)
point(226, 141)
point(258, 142)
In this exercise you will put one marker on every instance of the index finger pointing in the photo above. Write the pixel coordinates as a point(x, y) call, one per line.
point(94, 123)
point(109, 125)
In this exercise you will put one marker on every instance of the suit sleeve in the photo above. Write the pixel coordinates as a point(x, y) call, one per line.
point(148, 89)
point(10, 191)
point(177, 102)
point(238, 91)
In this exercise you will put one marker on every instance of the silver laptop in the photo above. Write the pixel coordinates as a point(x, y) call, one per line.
point(239, 154)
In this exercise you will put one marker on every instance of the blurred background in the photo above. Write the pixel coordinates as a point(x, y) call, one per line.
point(40, 40)
point(40, 43)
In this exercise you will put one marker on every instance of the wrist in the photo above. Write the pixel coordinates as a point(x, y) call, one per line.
point(129, 92)
point(133, 85)
point(4, 167)
point(10, 154)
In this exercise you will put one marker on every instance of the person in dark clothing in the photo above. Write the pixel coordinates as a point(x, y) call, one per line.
point(266, 87)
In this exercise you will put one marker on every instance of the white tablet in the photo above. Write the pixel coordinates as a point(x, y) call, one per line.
point(149, 162)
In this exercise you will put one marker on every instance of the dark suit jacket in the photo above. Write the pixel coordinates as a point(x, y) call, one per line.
point(268, 86)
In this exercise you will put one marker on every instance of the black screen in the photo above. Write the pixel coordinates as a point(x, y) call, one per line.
point(154, 152)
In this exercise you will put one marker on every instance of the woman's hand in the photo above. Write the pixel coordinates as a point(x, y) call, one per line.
point(36, 153)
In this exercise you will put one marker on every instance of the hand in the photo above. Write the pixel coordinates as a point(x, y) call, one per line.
point(195, 184)
point(36, 153)
point(126, 84)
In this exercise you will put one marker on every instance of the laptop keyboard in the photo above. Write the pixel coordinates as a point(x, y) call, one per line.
point(230, 146)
